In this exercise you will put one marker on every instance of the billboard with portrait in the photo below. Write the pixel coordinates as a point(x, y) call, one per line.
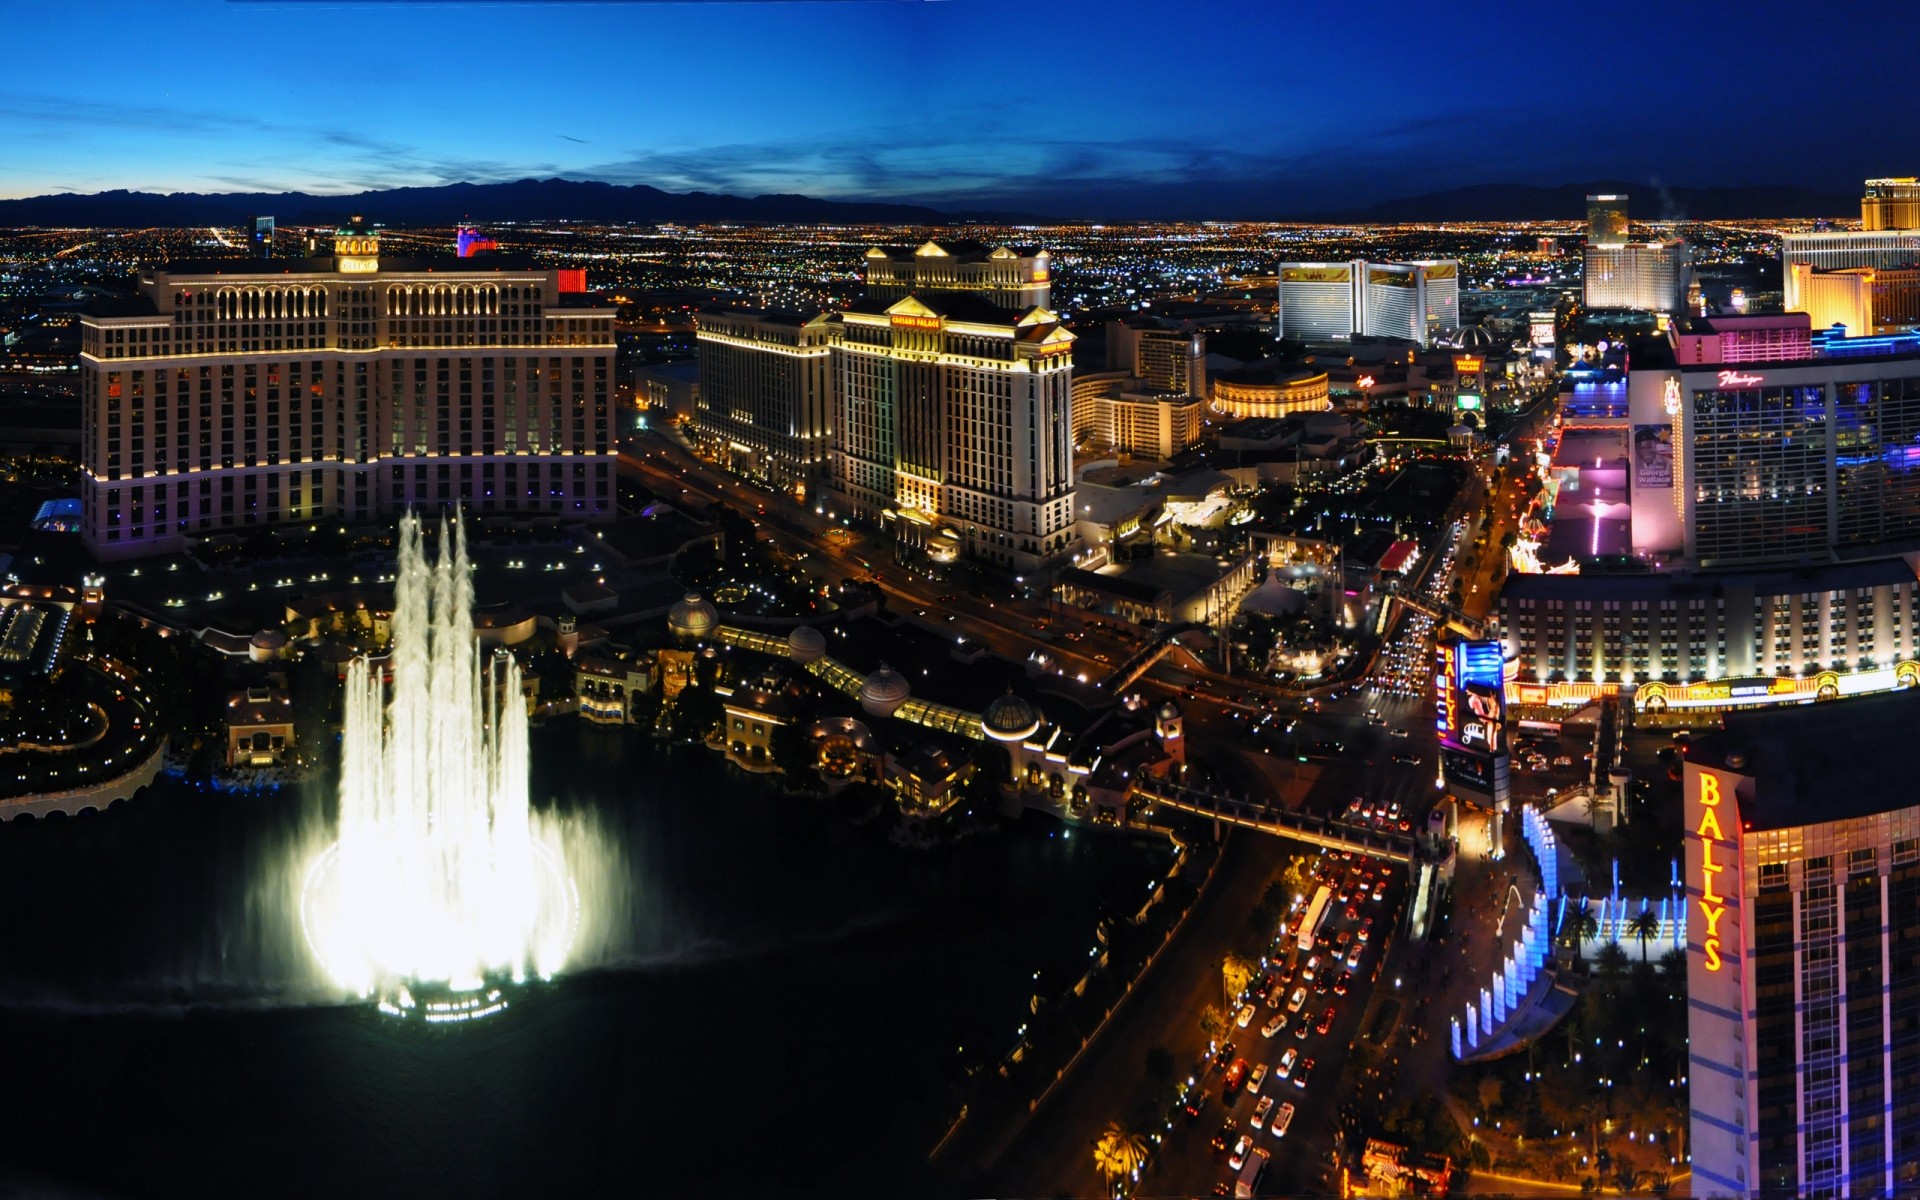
point(1471, 707)
point(1653, 456)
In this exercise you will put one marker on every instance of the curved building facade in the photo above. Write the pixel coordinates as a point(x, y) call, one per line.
point(1270, 392)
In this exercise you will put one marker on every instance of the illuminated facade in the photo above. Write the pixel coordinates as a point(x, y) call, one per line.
point(952, 410)
point(1867, 300)
point(1127, 415)
point(1681, 628)
point(1891, 204)
point(236, 393)
point(1320, 302)
point(1271, 392)
point(1007, 276)
point(1173, 360)
point(1607, 220)
point(1802, 460)
point(762, 407)
point(1644, 276)
point(1838, 250)
point(1803, 953)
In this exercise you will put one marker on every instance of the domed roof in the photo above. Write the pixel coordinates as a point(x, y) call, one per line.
point(1010, 719)
point(884, 691)
point(1169, 711)
point(269, 639)
point(1476, 337)
point(692, 617)
point(805, 644)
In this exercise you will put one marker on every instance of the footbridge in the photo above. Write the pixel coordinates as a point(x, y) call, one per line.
point(1247, 814)
point(1142, 660)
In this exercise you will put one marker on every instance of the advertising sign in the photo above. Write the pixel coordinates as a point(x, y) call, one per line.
point(1471, 707)
point(1653, 456)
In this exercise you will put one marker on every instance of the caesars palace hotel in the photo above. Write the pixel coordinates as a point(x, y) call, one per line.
point(237, 393)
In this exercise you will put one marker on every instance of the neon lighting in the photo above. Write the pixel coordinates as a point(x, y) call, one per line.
point(1735, 379)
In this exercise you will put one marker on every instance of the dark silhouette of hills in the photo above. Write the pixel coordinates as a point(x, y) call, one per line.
point(1568, 202)
point(583, 200)
point(523, 200)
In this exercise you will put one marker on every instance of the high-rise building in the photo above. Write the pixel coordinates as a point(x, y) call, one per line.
point(1165, 355)
point(764, 400)
point(1125, 414)
point(1891, 204)
point(236, 393)
point(260, 231)
point(1834, 251)
point(1321, 302)
point(1867, 300)
point(1803, 951)
point(1645, 276)
point(1009, 276)
point(954, 414)
point(1607, 220)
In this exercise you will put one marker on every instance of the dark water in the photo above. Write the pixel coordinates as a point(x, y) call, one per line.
point(774, 1009)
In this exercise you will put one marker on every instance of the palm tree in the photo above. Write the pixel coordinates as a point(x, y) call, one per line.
point(1118, 1153)
point(1235, 974)
point(1645, 927)
point(1583, 926)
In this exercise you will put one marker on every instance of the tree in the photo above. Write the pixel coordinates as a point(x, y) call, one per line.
point(1645, 927)
point(1582, 927)
point(1236, 973)
point(1119, 1153)
point(1213, 1023)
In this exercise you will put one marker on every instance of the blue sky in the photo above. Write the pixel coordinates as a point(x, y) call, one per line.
point(1120, 107)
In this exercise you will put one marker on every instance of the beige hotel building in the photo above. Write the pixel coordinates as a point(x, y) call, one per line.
point(232, 394)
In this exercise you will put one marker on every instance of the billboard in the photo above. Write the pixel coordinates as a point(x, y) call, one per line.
point(1316, 274)
point(1653, 457)
point(1470, 697)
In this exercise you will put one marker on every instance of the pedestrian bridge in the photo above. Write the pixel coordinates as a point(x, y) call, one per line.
point(1247, 814)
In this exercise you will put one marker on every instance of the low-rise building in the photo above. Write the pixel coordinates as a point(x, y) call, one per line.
point(259, 727)
point(609, 687)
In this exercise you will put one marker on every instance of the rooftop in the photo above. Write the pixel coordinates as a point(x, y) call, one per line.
point(1817, 762)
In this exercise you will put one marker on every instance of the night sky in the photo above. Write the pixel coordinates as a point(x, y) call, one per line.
point(1110, 108)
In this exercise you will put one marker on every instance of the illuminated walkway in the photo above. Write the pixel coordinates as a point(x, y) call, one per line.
point(1316, 831)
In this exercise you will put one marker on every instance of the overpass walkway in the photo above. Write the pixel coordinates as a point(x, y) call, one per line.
point(1317, 831)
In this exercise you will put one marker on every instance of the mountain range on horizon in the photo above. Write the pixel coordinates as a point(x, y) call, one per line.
point(583, 200)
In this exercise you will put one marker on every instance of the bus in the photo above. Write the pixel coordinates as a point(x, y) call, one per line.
point(1245, 1187)
point(1316, 916)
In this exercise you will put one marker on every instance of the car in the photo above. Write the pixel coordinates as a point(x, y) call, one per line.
point(1281, 1119)
point(1277, 994)
point(1326, 1022)
point(1341, 939)
point(1310, 969)
point(1196, 1101)
point(1563, 761)
point(1305, 1073)
point(1274, 1026)
point(1228, 1131)
point(1298, 998)
point(1340, 984)
point(1236, 1076)
point(1287, 1060)
point(1260, 1112)
point(1301, 1031)
point(1380, 889)
point(1353, 957)
point(1244, 1017)
point(1397, 731)
point(1352, 913)
point(1407, 760)
point(1223, 1055)
point(1257, 1077)
point(1238, 1158)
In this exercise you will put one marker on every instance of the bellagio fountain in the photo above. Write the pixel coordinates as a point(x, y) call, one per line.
point(440, 901)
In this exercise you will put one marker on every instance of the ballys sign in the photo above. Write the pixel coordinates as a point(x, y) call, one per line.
point(1718, 853)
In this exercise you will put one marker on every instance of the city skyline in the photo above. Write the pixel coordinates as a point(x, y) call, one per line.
point(1091, 118)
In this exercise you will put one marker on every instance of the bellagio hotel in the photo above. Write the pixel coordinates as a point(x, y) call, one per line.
point(232, 394)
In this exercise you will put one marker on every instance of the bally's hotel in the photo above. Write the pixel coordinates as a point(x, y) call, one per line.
point(1334, 302)
point(231, 394)
point(1803, 953)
